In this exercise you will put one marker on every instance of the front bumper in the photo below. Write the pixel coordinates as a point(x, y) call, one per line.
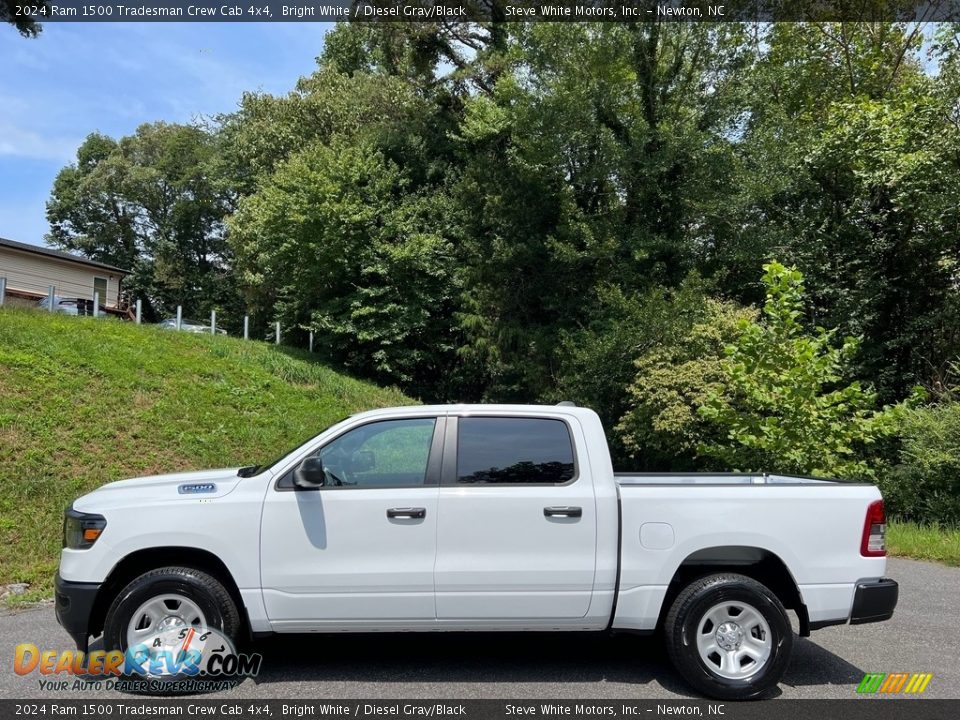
point(74, 607)
point(874, 601)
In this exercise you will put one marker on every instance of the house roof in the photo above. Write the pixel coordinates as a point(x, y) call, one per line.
point(59, 255)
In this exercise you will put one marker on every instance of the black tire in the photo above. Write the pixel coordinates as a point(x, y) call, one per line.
point(690, 608)
point(206, 591)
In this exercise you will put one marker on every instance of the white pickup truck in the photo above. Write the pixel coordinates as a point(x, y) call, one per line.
point(479, 517)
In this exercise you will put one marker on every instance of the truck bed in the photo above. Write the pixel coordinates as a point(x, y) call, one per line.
point(718, 479)
point(812, 527)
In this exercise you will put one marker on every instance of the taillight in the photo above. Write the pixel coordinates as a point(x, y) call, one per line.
point(874, 542)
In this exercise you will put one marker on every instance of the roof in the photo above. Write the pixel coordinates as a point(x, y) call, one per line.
point(59, 255)
point(478, 409)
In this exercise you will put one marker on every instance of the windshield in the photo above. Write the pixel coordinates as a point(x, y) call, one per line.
point(251, 470)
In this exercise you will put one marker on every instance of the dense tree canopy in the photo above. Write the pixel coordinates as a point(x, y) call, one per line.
point(541, 212)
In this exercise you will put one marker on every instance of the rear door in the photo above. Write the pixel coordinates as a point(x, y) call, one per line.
point(517, 525)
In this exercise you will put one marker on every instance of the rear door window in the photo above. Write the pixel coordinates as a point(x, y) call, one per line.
point(519, 451)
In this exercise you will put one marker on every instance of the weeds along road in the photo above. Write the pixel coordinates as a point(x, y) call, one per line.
point(923, 636)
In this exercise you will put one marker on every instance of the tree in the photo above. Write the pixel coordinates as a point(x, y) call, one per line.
point(267, 129)
point(148, 202)
point(456, 58)
point(597, 161)
point(564, 180)
point(12, 11)
point(679, 373)
point(848, 166)
point(784, 402)
point(597, 363)
point(345, 225)
point(338, 241)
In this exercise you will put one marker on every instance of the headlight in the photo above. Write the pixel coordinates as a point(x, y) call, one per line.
point(81, 530)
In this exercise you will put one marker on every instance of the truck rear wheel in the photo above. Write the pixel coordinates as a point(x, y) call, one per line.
point(729, 636)
point(168, 598)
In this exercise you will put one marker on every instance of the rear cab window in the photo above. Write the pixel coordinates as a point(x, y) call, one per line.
point(517, 451)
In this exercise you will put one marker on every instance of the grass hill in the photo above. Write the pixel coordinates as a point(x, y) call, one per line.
point(84, 402)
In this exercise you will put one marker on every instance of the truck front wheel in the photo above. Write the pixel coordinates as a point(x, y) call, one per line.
point(729, 636)
point(165, 599)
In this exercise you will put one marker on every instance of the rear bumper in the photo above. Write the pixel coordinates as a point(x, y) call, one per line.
point(74, 607)
point(874, 601)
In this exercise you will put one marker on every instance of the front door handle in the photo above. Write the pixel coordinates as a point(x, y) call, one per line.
point(408, 512)
point(562, 511)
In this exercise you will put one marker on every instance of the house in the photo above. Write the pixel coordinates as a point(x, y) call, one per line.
point(30, 270)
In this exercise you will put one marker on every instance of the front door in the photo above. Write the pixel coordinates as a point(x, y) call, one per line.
point(100, 289)
point(361, 549)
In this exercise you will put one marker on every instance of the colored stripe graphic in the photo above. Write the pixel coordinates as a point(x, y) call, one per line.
point(893, 683)
point(871, 682)
point(918, 683)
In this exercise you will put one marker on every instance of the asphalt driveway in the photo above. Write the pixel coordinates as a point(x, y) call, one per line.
point(923, 636)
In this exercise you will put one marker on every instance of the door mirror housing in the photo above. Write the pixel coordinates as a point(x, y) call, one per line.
point(310, 473)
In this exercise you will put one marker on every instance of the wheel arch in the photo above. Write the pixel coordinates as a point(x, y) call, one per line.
point(757, 563)
point(141, 561)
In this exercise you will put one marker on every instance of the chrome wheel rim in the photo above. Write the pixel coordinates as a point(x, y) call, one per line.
point(734, 640)
point(162, 614)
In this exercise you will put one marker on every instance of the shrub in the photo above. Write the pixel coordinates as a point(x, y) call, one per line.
point(925, 485)
point(663, 430)
point(784, 401)
point(596, 363)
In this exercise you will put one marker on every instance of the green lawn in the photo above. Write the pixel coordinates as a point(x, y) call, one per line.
point(84, 402)
point(924, 542)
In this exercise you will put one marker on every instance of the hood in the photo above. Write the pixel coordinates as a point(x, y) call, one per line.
point(186, 486)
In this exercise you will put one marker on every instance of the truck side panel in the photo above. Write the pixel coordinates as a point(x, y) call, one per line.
point(228, 527)
point(815, 530)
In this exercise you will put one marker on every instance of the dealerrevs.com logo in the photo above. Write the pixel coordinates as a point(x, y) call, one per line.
point(894, 683)
point(190, 659)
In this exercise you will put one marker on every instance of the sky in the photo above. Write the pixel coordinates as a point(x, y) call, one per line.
point(75, 79)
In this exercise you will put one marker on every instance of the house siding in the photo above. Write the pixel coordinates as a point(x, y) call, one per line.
point(29, 273)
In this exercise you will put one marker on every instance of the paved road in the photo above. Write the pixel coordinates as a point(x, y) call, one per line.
point(924, 635)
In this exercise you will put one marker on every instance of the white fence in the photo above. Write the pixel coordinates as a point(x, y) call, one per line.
point(51, 303)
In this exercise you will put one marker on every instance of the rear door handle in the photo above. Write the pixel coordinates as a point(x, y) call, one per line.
point(562, 511)
point(409, 512)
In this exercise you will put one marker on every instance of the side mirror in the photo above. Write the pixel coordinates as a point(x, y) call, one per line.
point(363, 461)
point(310, 473)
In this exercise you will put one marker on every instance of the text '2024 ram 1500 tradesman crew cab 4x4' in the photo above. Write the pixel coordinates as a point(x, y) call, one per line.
point(480, 517)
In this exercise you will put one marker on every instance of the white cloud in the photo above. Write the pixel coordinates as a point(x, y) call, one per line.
point(18, 142)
